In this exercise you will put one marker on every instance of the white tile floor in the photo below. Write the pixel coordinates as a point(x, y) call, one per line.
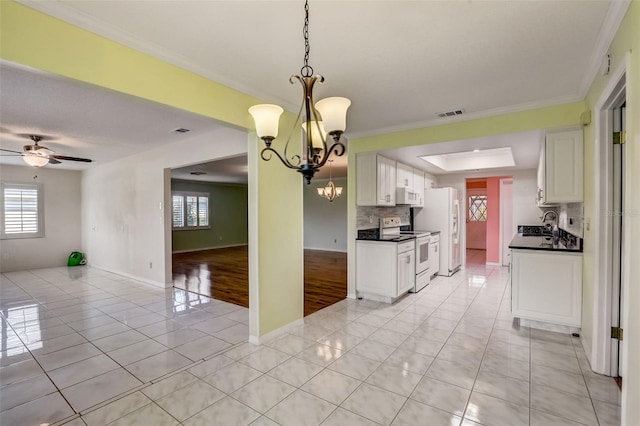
point(85, 347)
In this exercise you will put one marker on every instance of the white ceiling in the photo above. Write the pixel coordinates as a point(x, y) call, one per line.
point(400, 62)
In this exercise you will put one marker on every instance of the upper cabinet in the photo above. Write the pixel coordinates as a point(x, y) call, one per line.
point(418, 186)
point(375, 180)
point(404, 176)
point(560, 168)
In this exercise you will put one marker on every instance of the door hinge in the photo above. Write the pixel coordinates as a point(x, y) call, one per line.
point(616, 333)
point(619, 138)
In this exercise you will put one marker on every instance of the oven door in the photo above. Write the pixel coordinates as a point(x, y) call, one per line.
point(422, 254)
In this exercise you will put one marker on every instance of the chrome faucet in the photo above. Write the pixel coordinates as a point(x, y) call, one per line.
point(544, 216)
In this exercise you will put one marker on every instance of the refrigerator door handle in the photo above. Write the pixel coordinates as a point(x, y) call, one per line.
point(456, 221)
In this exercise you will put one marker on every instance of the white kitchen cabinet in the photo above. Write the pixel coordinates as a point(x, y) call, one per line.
point(384, 270)
point(560, 168)
point(404, 176)
point(434, 254)
point(418, 186)
point(375, 180)
point(547, 286)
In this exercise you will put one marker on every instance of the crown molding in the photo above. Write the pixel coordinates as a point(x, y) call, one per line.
point(82, 20)
point(610, 26)
point(469, 116)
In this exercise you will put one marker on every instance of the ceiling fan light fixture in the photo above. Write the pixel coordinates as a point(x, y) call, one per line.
point(35, 160)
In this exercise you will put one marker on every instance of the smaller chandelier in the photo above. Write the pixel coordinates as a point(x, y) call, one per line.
point(327, 117)
point(330, 191)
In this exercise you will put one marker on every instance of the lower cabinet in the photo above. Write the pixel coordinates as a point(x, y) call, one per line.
point(547, 286)
point(384, 270)
point(434, 255)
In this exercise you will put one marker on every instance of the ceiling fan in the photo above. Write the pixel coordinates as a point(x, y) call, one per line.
point(37, 156)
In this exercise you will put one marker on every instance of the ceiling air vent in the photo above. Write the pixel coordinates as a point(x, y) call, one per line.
point(181, 130)
point(198, 173)
point(450, 113)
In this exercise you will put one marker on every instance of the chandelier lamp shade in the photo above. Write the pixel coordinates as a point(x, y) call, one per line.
point(330, 191)
point(321, 120)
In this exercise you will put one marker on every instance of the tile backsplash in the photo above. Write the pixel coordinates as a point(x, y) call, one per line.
point(369, 217)
point(571, 218)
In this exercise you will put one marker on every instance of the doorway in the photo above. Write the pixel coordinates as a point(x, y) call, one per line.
point(476, 217)
point(325, 245)
point(617, 232)
point(612, 169)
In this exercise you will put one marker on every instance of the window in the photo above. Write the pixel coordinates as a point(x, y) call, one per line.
point(477, 208)
point(190, 210)
point(22, 211)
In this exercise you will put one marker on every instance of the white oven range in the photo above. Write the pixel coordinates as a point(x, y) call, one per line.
point(423, 275)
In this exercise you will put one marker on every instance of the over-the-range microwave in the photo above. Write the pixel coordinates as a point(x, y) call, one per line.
point(407, 196)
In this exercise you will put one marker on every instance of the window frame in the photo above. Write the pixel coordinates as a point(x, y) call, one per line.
point(40, 194)
point(184, 195)
point(472, 214)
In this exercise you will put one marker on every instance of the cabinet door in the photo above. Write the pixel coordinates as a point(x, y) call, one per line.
point(406, 272)
point(541, 191)
point(547, 286)
point(366, 179)
point(563, 167)
point(404, 175)
point(434, 258)
point(386, 181)
point(418, 186)
point(391, 182)
point(383, 197)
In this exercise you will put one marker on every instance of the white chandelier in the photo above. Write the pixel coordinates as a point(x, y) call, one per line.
point(330, 191)
point(327, 117)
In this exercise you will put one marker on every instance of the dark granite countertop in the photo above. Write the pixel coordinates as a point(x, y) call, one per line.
point(542, 243)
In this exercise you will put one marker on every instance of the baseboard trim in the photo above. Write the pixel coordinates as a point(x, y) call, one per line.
point(493, 264)
point(352, 296)
point(259, 340)
point(541, 325)
point(326, 249)
point(208, 248)
point(156, 284)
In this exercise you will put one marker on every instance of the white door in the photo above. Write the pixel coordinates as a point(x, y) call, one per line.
point(476, 218)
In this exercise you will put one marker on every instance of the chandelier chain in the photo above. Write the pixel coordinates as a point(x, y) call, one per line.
point(306, 70)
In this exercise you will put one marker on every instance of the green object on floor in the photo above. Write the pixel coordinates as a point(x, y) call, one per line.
point(76, 258)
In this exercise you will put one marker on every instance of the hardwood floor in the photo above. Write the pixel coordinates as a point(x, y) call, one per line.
point(325, 279)
point(220, 273)
point(223, 274)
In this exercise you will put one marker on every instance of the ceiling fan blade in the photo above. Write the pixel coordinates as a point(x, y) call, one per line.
point(53, 161)
point(9, 150)
point(64, 157)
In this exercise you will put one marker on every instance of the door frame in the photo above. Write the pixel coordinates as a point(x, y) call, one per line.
point(503, 207)
point(599, 352)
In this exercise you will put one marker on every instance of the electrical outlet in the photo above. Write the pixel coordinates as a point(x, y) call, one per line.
point(335, 241)
point(220, 238)
point(150, 265)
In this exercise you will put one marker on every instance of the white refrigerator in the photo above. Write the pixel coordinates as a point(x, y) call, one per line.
point(442, 212)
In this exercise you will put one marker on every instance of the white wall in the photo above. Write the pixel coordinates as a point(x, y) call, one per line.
point(325, 223)
point(124, 220)
point(62, 195)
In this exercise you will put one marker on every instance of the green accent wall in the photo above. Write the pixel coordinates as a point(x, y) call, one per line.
point(228, 206)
